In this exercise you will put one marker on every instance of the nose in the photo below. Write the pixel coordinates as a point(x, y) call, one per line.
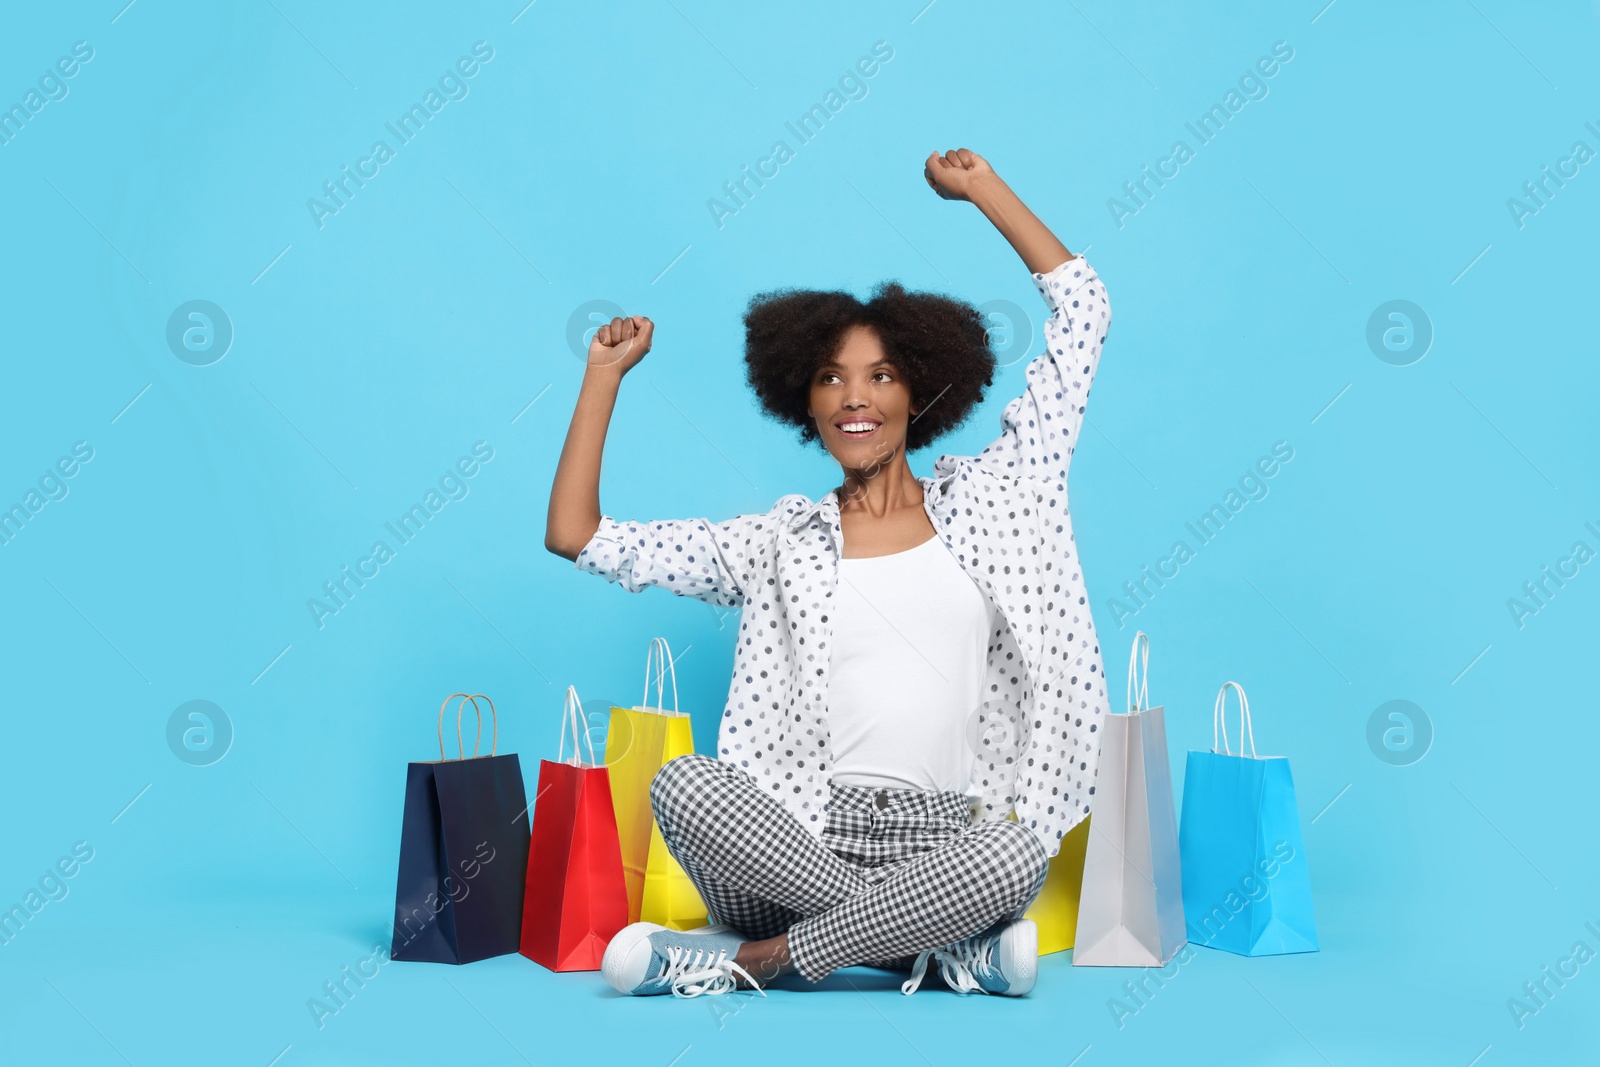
point(859, 396)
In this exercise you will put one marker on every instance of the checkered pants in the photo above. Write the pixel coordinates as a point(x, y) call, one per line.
point(895, 872)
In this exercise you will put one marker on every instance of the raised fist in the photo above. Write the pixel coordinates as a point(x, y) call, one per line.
point(953, 174)
point(621, 343)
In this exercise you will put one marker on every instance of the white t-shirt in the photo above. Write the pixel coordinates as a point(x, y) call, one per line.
point(906, 674)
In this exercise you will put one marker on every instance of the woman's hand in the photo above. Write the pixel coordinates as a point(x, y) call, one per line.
point(955, 174)
point(620, 344)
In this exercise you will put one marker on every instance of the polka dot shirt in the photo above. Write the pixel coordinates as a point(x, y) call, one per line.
point(1002, 513)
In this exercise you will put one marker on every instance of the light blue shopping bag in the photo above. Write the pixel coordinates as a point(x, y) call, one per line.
point(1246, 884)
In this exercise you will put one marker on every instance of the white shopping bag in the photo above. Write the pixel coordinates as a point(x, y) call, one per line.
point(1130, 912)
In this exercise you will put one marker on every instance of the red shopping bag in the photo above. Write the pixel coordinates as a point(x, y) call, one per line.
point(576, 899)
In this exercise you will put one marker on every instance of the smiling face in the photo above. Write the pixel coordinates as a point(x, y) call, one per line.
point(861, 403)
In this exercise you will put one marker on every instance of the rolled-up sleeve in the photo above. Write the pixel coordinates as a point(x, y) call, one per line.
point(714, 562)
point(1039, 429)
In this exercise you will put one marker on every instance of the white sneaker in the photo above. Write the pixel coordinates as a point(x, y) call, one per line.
point(648, 958)
point(1003, 960)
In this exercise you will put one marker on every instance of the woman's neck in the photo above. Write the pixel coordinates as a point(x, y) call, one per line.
point(879, 491)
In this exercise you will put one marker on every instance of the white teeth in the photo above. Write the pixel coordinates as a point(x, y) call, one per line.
point(858, 427)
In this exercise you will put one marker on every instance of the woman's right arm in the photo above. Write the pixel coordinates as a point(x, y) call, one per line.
point(714, 562)
point(575, 511)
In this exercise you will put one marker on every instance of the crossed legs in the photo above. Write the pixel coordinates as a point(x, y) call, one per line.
point(805, 908)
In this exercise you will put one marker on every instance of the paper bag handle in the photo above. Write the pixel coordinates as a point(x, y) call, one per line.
point(667, 666)
point(461, 745)
point(1139, 696)
point(572, 711)
point(1219, 721)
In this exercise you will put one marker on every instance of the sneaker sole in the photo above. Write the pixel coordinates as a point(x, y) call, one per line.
point(622, 955)
point(1019, 945)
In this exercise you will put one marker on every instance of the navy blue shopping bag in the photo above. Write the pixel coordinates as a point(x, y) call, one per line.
point(463, 852)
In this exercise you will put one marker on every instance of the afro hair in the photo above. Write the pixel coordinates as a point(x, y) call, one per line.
point(939, 346)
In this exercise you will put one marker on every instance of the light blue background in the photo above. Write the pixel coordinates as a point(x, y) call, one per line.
point(432, 310)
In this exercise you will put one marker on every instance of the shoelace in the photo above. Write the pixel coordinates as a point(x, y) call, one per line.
point(697, 971)
point(957, 962)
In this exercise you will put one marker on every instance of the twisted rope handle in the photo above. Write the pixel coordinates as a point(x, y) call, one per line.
point(666, 666)
point(1139, 696)
point(572, 711)
point(1219, 721)
point(461, 745)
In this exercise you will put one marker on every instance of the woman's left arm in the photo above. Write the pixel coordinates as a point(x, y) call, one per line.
point(962, 174)
point(1039, 429)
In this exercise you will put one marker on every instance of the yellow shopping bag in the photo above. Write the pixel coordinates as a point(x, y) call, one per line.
point(1055, 909)
point(638, 742)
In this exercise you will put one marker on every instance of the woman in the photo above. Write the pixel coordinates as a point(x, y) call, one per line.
point(912, 723)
